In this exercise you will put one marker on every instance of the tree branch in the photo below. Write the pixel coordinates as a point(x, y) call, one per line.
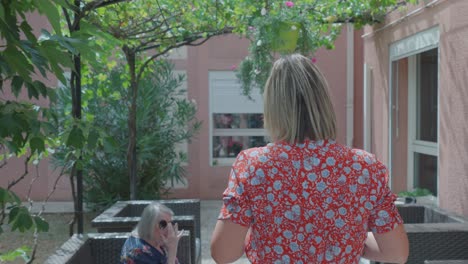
point(162, 14)
point(189, 42)
point(67, 17)
point(98, 4)
point(62, 172)
point(72, 183)
point(26, 171)
point(33, 255)
point(4, 160)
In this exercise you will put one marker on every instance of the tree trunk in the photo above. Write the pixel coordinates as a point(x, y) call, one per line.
point(75, 84)
point(132, 129)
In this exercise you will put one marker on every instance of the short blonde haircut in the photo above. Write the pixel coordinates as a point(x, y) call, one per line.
point(297, 104)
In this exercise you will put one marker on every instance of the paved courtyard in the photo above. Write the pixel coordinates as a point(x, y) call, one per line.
point(209, 215)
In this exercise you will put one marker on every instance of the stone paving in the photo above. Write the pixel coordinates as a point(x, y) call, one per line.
point(209, 215)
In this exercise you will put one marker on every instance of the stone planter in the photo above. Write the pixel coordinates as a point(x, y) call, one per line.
point(124, 215)
point(104, 248)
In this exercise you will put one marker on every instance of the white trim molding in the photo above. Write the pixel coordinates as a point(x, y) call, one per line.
point(417, 43)
point(349, 84)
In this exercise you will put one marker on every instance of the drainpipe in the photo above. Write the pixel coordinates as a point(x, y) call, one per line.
point(349, 84)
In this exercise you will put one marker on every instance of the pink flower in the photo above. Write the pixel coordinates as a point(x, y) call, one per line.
point(314, 60)
point(251, 28)
point(234, 67)
point(289, 3)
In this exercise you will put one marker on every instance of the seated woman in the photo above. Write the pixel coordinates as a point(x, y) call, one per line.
point(154, 239)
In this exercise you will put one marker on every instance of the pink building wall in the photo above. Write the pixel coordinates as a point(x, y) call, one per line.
point(219, 54)
point(450, 17)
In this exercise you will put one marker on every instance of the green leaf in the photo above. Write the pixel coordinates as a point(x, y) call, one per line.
point(41, 224)
point(7, 196)
point(92, 139)
point(37, 144)
point(2, 13)
point(14, 198)
point(110, 145)
point(50, 10)
point(27, 30)
point(18, 62)
point(36, 58)
point(79, 164)
point(41, 88)
point(4, 196)
point(20, 219)
point(14, 254)
point(16, 84)
point(32, 91)
point(76, 138)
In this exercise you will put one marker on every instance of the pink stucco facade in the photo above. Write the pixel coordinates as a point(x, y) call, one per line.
point(220, 54)
point(206, 181)
point(450, 18)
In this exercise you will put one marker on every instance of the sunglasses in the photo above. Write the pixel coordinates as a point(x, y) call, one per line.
point(163, 224)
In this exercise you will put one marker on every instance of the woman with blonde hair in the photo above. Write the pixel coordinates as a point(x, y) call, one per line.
point(155, 238)
point(306, 198)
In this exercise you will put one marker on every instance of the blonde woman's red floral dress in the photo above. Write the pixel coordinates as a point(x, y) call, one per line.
point(308, 203)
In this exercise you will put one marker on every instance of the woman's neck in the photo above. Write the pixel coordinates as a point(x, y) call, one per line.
point(155, 244)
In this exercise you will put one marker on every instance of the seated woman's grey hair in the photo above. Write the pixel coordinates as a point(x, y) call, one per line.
point(150, 216)
point(297, 104)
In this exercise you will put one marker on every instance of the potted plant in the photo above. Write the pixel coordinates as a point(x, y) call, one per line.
point(279, 28)
point(417, 195)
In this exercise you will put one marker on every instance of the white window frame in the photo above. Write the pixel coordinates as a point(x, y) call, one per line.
point(414, 145)
point(213, 132)
point(367, 107)
point(408, 48)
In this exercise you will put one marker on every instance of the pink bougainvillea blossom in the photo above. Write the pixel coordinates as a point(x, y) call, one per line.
point(289, 3)
point(314, 60)
point(234, 67)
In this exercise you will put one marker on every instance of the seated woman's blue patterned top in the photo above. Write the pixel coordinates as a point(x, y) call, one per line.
point(138, 251)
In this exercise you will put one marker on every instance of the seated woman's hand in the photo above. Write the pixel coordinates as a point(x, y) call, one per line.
point(171, 241)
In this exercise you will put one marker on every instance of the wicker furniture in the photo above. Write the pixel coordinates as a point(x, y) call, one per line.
point(446, 262)
point(434, 234)
point(104, 248)
point(124, 215)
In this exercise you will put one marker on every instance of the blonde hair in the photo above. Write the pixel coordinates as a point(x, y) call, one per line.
point(297, 104)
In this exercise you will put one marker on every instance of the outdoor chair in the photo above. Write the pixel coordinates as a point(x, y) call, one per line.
point(104, 248)
point(446, 262)
point(434, 234)
point(124, 215)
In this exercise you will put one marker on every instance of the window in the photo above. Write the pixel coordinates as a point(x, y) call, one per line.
point(413, 101)
point(236, 122)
